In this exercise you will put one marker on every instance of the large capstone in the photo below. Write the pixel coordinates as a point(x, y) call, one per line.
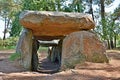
point(82, 46)
point(55, 25)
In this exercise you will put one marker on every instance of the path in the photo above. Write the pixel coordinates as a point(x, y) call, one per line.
point(45, 65)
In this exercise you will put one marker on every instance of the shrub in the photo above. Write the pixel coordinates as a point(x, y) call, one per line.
point(11, 41)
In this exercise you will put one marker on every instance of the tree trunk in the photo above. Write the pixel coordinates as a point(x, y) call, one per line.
point(91, 9)
point(103, 17)
point(114, 40)
point(108, 44)
point(58, 5)
point(111, 44)
point(102, 9)
point(5, 29)
point(4, 34)
point(7, 22)
point(78, 8)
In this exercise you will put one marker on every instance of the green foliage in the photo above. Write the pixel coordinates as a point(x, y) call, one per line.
point(14, 56)
point(6, 7)
point(108, 2)
point(16, 27)
point(99, 58)
point(67, 9)
point(7, 47)
point(117, 12)
point(43, 49)
point(9, 42)
point(107, 27)
point(37, 5)
point(74, 6)
point(7, 10)
point(12, 8)
point(77, 5)
point(48, 5)
point(118, 41)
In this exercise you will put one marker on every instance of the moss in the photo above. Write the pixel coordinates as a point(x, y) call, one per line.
point(99, 58)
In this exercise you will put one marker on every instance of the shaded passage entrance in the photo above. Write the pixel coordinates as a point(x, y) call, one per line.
point(47, 59)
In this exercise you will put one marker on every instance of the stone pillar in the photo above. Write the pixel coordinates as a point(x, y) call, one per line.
point(24, 47)
point(35, 60)
point(82, 46)
point(55, 52)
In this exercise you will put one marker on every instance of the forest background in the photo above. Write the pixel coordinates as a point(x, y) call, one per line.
point(105, 13)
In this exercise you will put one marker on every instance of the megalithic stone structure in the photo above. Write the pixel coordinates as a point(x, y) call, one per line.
point(72, 28)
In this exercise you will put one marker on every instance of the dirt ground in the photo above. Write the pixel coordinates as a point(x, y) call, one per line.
point(10, 70)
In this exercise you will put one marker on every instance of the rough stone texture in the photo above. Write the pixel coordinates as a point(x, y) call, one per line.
point(53, 25)
point(24, 47)
point(82, 46)
point(54, 53)
point(35, 60)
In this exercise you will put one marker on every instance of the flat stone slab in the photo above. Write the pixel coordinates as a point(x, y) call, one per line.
point(54, 25)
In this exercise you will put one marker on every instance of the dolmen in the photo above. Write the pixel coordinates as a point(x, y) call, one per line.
point(77, 41)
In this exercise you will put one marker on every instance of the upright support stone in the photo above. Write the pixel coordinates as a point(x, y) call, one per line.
point(80, 47)
point(24, 47)
point(35, 60)
point(54, 53)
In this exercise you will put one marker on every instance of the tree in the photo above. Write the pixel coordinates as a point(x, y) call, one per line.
point(46, 5)
point(77, 6)
point(74, 6)
point(7, 8)
point(105, 28)
point(91, 9)
point(115, 26)
point(42, 5)
point(16, 27)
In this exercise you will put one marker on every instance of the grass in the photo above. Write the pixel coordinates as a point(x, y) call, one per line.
point(43, 49)
point(7, 47)
point(14, 56)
